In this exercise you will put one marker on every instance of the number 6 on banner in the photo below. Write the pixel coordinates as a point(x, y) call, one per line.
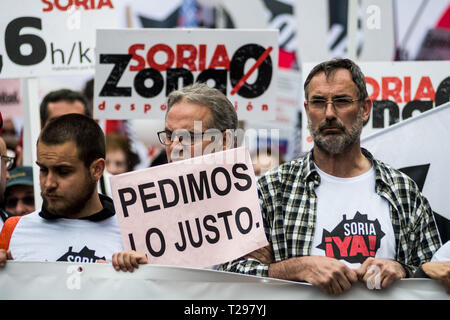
point(14, 40)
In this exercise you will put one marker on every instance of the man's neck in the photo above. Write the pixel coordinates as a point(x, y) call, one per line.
point(92, 206)
point(350, 163)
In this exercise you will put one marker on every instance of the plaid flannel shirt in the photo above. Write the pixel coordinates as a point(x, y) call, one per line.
point(289, 204)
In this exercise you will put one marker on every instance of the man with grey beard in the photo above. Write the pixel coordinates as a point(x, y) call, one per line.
point(337, 215)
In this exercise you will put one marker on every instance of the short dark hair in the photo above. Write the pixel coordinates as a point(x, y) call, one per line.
point(88, 89)
point(62, 95)
point(223, 114)
point(328, 67)
point(84, 131)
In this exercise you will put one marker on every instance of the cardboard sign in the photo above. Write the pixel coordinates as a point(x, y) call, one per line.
point(195, 213)
point(51, 37)
point(399, 91)
point(137, 69)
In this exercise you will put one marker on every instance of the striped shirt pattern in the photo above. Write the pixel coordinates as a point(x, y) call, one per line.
point(289, 204)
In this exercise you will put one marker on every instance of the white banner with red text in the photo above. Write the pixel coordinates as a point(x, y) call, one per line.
point(137, 69)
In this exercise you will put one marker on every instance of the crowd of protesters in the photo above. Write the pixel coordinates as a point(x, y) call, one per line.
point(301, 200)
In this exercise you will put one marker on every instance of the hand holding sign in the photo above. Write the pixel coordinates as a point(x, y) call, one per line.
point(330, 275)
point(128, 260)
point(389, 271)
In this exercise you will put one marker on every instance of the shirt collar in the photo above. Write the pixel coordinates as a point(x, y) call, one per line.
point(308, 170)
point(382, 176)
point(105, 213)
point(310, 173)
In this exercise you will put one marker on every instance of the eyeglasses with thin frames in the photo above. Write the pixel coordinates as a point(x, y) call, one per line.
point(186, 138)
point(338, 104)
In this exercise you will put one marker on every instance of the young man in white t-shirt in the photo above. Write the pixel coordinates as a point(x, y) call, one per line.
point(76, 223)
point(337, 215)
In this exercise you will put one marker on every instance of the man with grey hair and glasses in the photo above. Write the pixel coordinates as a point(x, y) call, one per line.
point(337, 215)
point(199, 120)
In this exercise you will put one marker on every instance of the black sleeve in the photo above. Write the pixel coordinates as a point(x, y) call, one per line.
point(3, 215)
point(420, 273)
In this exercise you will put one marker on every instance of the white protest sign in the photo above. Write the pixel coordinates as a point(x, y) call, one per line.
point(399, 91)
point(289, 90)
point(196, 212)
point(421, 146)
point(51, 37)
point(137, 69)
point(367, 26)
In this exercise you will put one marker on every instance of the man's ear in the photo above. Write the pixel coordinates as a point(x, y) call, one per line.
point(367, 109)
point(97, 167)
point(228, 139)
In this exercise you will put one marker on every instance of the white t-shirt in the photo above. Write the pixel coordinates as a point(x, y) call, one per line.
point(353, 222)
point(74, 240)
point(443, 254)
